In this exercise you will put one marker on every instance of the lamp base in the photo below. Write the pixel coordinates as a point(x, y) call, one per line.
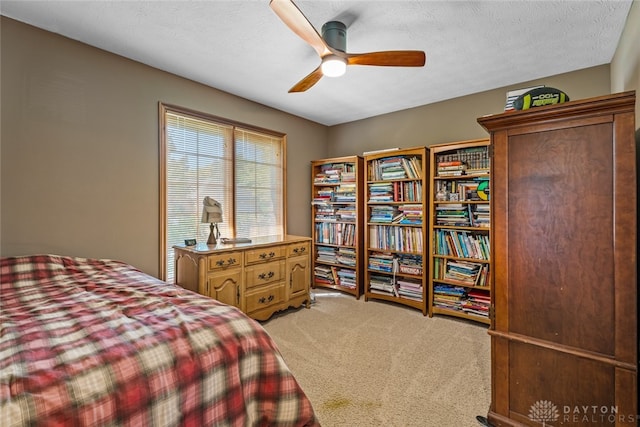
point(212, 234)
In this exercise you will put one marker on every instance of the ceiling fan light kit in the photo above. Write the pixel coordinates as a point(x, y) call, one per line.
point(333, 66)
point(332, 45)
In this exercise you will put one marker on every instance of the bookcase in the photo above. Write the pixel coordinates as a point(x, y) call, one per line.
point(459, 226)
point(564, 340)
point(337, 215)
point(396, 232)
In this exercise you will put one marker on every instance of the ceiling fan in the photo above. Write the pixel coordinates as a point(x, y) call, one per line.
point(331, 47)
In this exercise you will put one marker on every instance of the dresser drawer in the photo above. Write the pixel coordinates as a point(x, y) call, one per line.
point(265, 297)
point(298, 249)
point(265, 254)
point(224, 260)
point(261, 274)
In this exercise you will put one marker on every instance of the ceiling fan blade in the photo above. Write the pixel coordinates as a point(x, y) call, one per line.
point(289, 13)
point(390, 58)
point(308, 81)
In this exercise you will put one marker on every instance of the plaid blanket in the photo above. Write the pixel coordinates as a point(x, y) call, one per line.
point(97, 342)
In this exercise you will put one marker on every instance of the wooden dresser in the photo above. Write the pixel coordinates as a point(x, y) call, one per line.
point(260, 278)
point(564, 342)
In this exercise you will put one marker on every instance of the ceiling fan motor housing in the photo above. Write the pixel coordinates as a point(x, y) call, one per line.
point(334, 34)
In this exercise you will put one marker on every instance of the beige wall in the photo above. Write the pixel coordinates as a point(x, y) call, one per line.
point(625, 66)
point(452, 120)
point(79, 171)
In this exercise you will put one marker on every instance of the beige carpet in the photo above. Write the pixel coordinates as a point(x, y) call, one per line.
point(381, 364)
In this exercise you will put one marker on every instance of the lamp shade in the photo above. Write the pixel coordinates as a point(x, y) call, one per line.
point(211, 211)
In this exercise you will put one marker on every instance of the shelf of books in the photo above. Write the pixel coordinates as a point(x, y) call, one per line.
point(395, 237)
point(459, 230)
point(337, 212)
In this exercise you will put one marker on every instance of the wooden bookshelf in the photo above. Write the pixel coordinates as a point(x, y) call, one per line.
point(459, 230)
point(396, 233)
point(337, 215)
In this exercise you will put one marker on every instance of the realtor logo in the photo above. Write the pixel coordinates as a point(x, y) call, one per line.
point(543, 411)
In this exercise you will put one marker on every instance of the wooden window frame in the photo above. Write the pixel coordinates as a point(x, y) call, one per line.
point(163, 109)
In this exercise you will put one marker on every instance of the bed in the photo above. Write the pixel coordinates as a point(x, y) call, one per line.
point(98, 342)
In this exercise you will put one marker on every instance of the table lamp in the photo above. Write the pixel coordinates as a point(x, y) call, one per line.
point(212, 214)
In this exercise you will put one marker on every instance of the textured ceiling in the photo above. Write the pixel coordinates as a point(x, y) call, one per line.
point(243, 48)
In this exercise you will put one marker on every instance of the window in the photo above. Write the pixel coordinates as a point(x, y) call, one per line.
point(238, 165)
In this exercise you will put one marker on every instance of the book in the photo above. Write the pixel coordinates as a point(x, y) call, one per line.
point(334, 274)
point(366, 153)
point(449, 163)
point(226, 240)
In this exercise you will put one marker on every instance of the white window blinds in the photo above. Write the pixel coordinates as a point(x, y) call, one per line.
point(259, 192)
point(240, 167)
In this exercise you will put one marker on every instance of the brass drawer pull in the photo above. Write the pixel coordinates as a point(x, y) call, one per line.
point(266, 276)
point(264, 255)
point(299, 250)
point(230, 261)
point(264, 300)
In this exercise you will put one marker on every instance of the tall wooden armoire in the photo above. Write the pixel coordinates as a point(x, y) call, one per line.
point(564, 344)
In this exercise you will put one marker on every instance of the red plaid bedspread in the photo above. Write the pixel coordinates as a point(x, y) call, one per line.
point(97, 342)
